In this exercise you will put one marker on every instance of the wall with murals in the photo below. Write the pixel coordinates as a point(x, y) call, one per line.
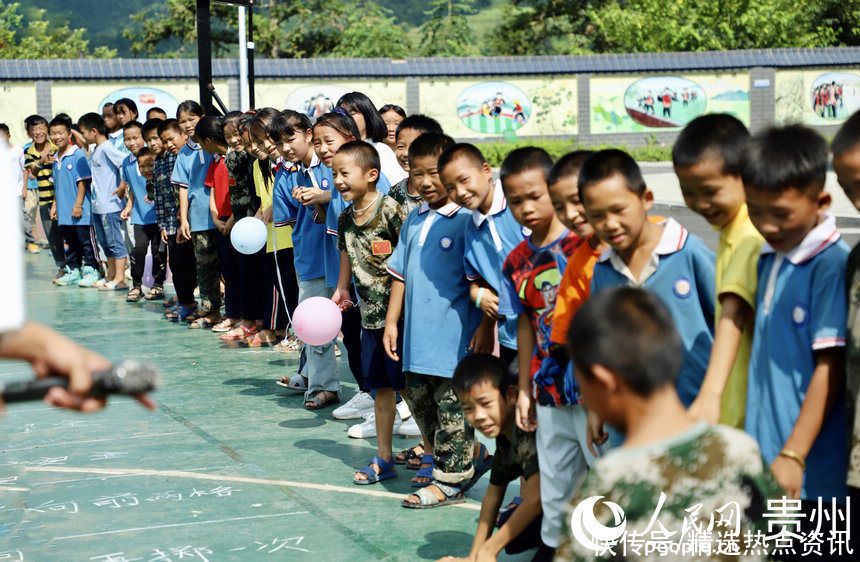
point(317, 97)
point(651, 103)
point(17, 101)
point(816, 97)
point(503, 107)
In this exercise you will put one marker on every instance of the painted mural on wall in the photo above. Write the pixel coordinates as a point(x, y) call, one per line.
point(493, 107)
point(506, 108)
point(816, 97)
point(628, 104)
point(314, 101)
point(145, 98)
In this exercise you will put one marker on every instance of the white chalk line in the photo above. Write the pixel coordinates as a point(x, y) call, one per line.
point(112, 404)
point(90, 441)
point(172, 525)
point(103, 477)
point(222, 478)
point(13, 489)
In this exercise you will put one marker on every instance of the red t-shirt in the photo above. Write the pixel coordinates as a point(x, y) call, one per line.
point(217, 179)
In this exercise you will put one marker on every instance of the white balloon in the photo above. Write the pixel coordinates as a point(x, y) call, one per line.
point(249, 235)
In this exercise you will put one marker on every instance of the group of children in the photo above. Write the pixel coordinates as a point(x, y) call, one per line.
point(620, 339)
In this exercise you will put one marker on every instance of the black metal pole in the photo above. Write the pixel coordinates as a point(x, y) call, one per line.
point(204, 53)
point(250, 42)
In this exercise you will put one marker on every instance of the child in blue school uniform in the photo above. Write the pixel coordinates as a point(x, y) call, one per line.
point(108, 201)
point(71, 205)
point(662, 257)
point(141, 211)
point(195, 220)
point(431, 291)
point(796, 389)
point(490, 237)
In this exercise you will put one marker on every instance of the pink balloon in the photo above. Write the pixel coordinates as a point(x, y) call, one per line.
point(317, 320)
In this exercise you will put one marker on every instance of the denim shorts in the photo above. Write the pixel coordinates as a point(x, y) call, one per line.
point(109, 229)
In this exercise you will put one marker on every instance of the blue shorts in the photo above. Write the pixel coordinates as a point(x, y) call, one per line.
point(377, 368)
point(109, 229)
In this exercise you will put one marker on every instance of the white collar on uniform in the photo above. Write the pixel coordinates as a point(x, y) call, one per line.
point(115, 134)
point(71, 149)
point(315, 161)
point(499, 204)
point(192, 145)
point(672, 240)
point(448, 210)
point(816, 241)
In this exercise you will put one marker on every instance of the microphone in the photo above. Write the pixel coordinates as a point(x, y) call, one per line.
point(127, 377)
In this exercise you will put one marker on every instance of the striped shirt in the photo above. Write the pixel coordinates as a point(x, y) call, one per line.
point(44, 179)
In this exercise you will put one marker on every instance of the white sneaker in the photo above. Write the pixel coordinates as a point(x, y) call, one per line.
point(367, 428)
point(403, 410)
point(409, 428)
point(356, 408)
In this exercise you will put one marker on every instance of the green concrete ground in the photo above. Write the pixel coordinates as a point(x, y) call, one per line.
point(231, 467)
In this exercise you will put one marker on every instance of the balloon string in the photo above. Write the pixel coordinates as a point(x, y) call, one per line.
point(280, 282)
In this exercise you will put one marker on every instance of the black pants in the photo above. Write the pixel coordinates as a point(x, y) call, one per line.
point(274, 313)
point(183, 266)
point(230, 274)
point(148, 237)
point(52, 233)
point(250, 284)
point(351, 330)
point(82, 246)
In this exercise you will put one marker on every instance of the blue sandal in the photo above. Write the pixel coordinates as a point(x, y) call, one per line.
point(482, 464)
point(386, 468)
point(182, 313)
point(426, 472)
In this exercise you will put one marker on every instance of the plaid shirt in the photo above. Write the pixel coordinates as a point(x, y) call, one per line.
point(163, 193)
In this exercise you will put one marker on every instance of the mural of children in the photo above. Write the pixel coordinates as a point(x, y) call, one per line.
point(519, 115)
point(498, 102)
point(686, 96)
point(649, 103)
point(666, 98)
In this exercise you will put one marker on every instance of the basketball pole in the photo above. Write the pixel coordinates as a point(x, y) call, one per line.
point(204, 54)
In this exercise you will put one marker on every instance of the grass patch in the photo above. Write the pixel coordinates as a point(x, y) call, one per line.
point(495, 152)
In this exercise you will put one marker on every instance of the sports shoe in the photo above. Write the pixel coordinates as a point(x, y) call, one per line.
point(60, 272)
point(367, 428)
point(356, 408)
point(88, 277)
point(33, 248)
point(409, 428)
point(70, 278)
point(403, 410)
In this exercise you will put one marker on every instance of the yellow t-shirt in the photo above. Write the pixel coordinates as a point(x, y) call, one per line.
point(284, 233)
point(737, 274)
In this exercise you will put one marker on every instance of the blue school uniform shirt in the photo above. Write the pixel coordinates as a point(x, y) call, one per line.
point(682, 273)
point(32, 183)
point(105, 163)
point(192, 164)
point(801, 308)
point(489, 240)
point(67, 172)
point(439, 318)
point(117, 140)
point(309, 239)
point(141, 211)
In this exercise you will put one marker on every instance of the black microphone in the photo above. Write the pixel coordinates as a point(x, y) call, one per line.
point(127, 377)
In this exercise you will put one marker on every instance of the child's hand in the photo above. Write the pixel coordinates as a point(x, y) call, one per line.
point(124, 214)
point(77, 211)
point(341, 299)
point(595, 434)
point(706, 407)
point(788, 474)
point(490, 304)
point(267, 215)
point(164, 236)
point(526, 417)
point(312, 195)
point(389, 341)
point(121, 190)
point(54, 211)
point(184, 232)
point(148, 200)
point(484, 338)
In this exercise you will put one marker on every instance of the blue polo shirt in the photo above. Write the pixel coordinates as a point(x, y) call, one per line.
point(192, 164)
point(682, 274)
point(117, 140)
point(801, 308)
point(489, 240)
point(67, 172)
point(105, 163)
point(439, 318)
point(309, 239)
point(32, 183)
point(141, 211)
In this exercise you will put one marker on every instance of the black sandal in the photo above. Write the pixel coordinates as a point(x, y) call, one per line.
point(134, 295)
point(155, 294)
point(408, 454)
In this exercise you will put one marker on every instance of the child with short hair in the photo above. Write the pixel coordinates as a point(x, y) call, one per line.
point(628, 356)
point(531, 276)
point(112, 123)
point(141, 211)
point(431, 290)
point(71, 206)
point(407, 131)
point(180, 252)
point(108, 201)
point(38, 159)
point(368, 231)
point(490, 237)
point(156, 113)
point(846, 164)
point(487, 390)
point(663, 257)
point(796, 393)
point(708, 159)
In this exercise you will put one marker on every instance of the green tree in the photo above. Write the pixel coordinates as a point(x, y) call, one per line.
point(177, 24)
point(39, 39)
point(447, 32)
point(542, 27)
point(370, 31)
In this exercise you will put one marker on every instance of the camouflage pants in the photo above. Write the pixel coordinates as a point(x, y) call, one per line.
point(208, 269)
point(440, 418)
